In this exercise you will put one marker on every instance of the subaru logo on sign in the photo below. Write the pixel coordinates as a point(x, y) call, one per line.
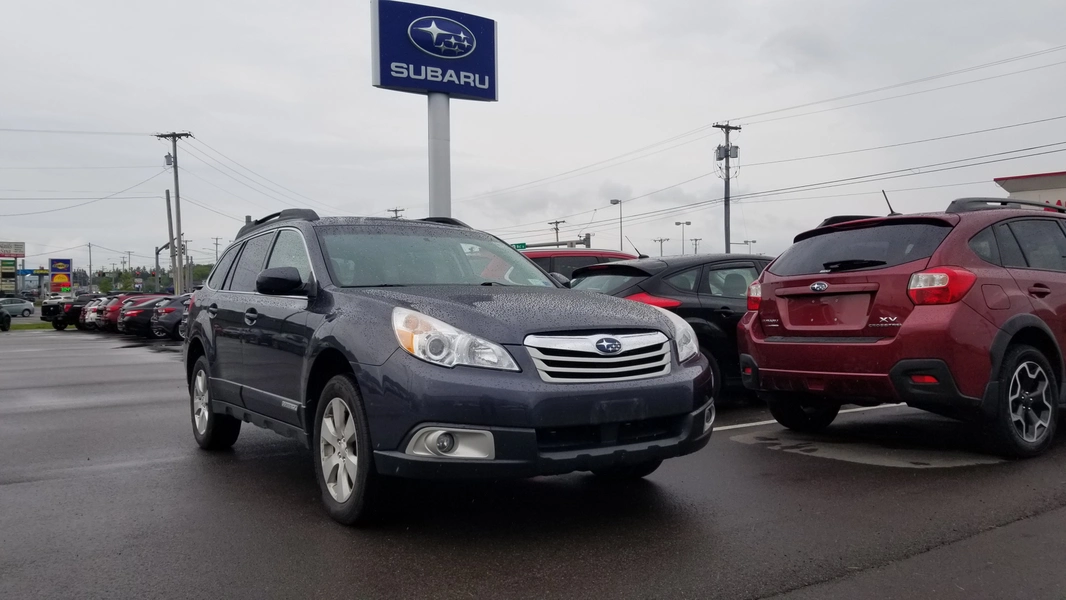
point(441, 37)
point(819, 286)
point(608, 346)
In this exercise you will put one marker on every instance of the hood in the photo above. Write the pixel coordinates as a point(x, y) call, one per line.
point(506, 315)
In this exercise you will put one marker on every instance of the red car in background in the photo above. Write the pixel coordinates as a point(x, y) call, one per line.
point(107, 315)
point(565, 260)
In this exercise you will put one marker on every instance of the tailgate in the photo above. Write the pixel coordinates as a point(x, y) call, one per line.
point(848, 282)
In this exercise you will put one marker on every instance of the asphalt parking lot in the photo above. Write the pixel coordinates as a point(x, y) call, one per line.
point(104, 494)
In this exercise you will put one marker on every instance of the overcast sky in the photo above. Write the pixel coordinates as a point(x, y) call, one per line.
point(284, 89)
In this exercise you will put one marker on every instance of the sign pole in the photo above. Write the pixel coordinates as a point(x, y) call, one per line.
point(440, 159)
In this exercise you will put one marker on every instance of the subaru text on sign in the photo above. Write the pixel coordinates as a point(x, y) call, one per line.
point(423, 49)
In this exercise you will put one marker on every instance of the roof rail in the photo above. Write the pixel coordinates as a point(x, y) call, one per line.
point(844, 219)
point(302, 214)
point(973, 204)
point(446, 221)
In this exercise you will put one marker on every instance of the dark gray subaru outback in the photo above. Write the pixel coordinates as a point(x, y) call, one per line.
point(427, 349)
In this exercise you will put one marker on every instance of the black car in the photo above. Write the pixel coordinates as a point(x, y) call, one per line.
point(5, 321)
point(709, 291)
point(136, 318)
point(62, 314)
point(381, 346)
point(166, 319)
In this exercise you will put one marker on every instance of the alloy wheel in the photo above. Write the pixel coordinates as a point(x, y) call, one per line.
point(338, 450)
point(1030, 403)
point(201, 405)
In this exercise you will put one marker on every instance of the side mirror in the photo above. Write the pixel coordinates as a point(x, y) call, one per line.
point(280, 281)
point(562, 279)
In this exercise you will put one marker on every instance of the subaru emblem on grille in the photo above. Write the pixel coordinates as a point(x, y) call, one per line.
point(819, 286)
point(608, 346)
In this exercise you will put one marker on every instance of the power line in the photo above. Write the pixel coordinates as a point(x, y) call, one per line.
point(72, 168)
point(54, 251)
point(208, 208)
point(72, 132)
point(323, 204)
point(77, 198)
point(215, 185)
point(204, 158)
point(52, 210)
point(796, 107)
point(870, 178)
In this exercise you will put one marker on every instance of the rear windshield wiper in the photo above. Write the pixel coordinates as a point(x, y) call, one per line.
point(851, 263)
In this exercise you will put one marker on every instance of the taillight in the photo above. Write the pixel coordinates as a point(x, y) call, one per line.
point(654, 300)
point(942, 285)
point(754, 296)
point(167, 310)
point(66, 307)
point(132, 313)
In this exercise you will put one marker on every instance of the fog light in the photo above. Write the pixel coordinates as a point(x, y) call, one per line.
point(708, 417)
point(445, 442)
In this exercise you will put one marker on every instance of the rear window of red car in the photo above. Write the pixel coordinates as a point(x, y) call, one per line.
point(883, 245)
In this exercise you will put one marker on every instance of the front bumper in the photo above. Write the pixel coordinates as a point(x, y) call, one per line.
point(539, 427)
point(519, 454)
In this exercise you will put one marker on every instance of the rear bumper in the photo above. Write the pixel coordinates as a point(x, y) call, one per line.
point(518, 454)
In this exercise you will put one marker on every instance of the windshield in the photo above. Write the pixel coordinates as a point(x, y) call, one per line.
point(366, 256)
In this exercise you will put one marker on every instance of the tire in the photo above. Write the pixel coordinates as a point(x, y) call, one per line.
point(176, 333)
point(716, 374)
point(213, 431)
point(27, 312)
point(1027, 409)
point(79, 326)
point(5, 323)
point(635, 471)
point(349, 487)
point(59, 325)
point(801, 413)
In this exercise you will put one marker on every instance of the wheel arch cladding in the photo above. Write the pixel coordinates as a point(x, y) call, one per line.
point(327, 363)
point(196, 350)
point(1028, 330)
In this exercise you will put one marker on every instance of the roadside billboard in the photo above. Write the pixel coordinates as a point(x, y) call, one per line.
point(13, 249)
point(8, 275)
point(60, 270)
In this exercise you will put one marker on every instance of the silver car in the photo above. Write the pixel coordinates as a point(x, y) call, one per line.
point(17, 307)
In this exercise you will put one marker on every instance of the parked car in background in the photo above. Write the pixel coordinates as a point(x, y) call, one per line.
point(135, 318)
point(709, 291)
point(63, 311)
point(5, 321)
point(17, 307)
point(87, 318)
point(108, 320)
point(961, 313)
point(167, 318)
point(565, 260)
point(382, 346)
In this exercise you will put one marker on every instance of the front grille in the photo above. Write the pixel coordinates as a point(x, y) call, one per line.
point(583, 437)
point(575, 359)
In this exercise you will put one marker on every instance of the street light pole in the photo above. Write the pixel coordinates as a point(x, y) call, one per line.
point(747, 243)
point(621, 247)
point(682, 224)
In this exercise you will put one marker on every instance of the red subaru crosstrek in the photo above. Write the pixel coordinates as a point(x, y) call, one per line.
point(961, 313)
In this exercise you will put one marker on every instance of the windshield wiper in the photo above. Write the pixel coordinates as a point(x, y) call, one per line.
point(850, 263)
point(381, 285)
point(495, 283)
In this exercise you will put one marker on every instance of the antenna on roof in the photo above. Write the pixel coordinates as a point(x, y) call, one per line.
point(639, 253)
point(891, 211)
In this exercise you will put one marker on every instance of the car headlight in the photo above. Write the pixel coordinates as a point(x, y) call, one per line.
point(441, 344)
point(684, 336)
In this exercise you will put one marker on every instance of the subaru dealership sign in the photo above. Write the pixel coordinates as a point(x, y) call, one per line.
point(423, 49)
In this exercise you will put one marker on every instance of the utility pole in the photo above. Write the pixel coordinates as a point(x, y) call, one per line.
point(724, 153)
point(216, 248)
point(621, 248)
point(555, 225)
point(123, 261)
point(396, 212)
point(172, 160)
point(661, 241)
point(90, 268)
point(696, 245)
point(172, 243)
point(129, 260)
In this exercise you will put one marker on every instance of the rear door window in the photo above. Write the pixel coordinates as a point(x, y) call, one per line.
point(1042, 243)
point(728, 282)
point(884, 245)
point(684, 281)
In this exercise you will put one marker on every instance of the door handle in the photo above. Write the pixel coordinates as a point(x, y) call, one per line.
point(724, 311)
point(250, 316)
point(1039, 290)
point(212, 310)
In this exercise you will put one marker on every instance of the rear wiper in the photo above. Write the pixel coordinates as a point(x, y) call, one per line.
point(851, 263)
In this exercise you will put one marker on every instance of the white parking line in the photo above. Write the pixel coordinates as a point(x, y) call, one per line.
point(772, 422)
